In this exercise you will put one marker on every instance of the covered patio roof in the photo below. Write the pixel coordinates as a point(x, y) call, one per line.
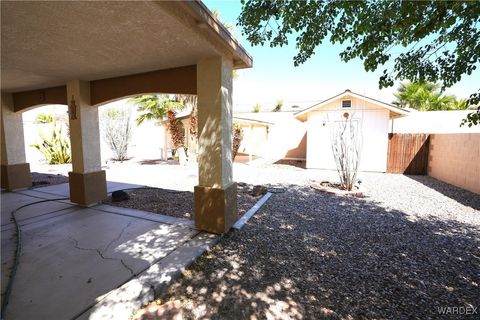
point(45, 44)
point(84, 54)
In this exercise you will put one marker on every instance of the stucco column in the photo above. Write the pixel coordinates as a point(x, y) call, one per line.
point(15, 171)
point(216, 194)
point(87, 180)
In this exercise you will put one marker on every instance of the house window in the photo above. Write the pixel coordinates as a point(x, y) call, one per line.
point(346, 103)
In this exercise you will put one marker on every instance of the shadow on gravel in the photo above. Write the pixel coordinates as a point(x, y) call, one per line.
point(308, 255)
point(460, 195)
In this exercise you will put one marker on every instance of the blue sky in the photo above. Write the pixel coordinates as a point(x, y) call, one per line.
point(274, 77)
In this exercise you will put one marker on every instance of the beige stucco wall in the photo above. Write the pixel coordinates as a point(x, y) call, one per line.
point(455, 159)
point(373, 120)
point(285, 139)
point(254, 140)
point(300, 151)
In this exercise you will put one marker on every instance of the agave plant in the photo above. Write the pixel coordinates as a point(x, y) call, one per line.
point(56, 147)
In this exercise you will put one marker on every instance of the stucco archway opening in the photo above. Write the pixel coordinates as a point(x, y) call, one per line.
point(47, 125)
point(176, 47)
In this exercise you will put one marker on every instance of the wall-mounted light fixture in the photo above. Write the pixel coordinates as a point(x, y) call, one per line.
point(72, 109)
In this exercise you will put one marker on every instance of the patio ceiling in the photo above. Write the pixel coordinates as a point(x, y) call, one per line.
point(46, 44)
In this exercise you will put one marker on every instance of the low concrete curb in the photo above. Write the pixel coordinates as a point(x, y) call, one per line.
point(241, 222)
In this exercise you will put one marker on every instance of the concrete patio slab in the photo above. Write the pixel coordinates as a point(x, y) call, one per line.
point(155, 280)
point(146, 215)
point(64, 188)
point(97, 262)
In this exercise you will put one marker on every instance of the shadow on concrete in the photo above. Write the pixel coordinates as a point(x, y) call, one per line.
point(72, 258)
point(157, 161)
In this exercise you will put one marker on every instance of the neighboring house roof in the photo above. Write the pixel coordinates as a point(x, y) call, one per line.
point(265, 117)
point(252, 121)
point(395, 111)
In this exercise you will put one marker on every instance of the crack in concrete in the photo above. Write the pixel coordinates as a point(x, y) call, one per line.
point(119, 235)
point(101, 254)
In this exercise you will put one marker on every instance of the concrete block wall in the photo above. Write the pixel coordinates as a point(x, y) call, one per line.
point(455, 159)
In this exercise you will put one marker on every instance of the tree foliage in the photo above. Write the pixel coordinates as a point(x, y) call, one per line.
point(154, 107)
point(434, 41)
point(278, 106)
point(426, 96)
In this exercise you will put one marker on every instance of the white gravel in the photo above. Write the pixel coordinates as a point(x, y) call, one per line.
point(411, 247)
point(405, 251)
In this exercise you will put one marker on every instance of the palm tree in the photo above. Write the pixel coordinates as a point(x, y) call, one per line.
point(461, 104)
point(444, 102)
point(154, 107)
point(416, 95)
point(278, 106)
point(425, 96)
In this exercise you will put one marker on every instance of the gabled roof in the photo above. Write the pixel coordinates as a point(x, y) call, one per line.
point(395, 111)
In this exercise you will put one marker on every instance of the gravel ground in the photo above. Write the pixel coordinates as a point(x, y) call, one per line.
point(45, 179)
point(174, 203)
point(405, 251)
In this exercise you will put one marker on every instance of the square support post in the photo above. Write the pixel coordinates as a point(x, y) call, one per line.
point(15, 171)
point(87, 181)
point(216, 194)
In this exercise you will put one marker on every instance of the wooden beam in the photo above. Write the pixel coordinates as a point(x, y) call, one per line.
point(27, 99)
point(181, 80)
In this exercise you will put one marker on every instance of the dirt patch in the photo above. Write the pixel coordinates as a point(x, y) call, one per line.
point(179, 204)
point(302, 164)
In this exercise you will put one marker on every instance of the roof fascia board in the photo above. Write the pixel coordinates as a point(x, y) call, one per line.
point(356, 95)
point(205, 18)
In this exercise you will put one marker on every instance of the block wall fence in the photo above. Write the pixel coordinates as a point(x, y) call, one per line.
point(455, 159)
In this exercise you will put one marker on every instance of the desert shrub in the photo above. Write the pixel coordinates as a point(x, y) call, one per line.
point(117, 131)
point(346, 141)
point(55, 147)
